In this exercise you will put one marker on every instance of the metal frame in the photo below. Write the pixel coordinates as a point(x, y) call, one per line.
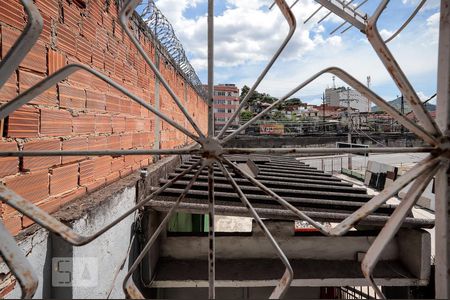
point(213, 152)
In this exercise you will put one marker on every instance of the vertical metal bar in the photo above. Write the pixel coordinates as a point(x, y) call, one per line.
point(211, 235)
point(443, 178)
point(24, 43)
point(157, 143)
point(290, 18)
point(285, 281)
point(210, 68)
point(129, 287)
point(17, 263)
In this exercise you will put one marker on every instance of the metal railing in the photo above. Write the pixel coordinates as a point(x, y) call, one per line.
point(213, 153)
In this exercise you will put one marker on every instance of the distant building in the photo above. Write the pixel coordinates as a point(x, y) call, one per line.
point(341, 95)
point(226, 102)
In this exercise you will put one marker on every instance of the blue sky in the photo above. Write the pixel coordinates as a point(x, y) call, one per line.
point(247, 34)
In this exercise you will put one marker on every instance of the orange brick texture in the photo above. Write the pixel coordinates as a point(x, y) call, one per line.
point(82, 112)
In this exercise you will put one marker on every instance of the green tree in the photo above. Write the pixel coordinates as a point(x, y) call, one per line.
point(246, 115)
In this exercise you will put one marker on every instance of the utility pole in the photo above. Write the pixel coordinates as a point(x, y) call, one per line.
point(349, 136)
point(323, 112)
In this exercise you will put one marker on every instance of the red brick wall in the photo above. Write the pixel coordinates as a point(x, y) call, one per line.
point(81, 112)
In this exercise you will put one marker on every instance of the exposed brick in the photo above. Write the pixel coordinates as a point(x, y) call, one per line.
point(56, 122)
point(63, 179)
point(95, 185)
point(32, 187)
point(98, 57)
point(55, 61)
point(71, 96)
point(9, 165)
point(125, 172)
point(84, 50)
point(102, 166)
point(114, 142)
point(23, 123)
point(35, 59)
point(97, 143)
point(9, 90)
point(12, 13)
point(113, 104)
point(71, 16)
point(95, 100)
point(118, 124)
point(84, 123)
point(50, 205)
point(72, 195)
point(117, 164)
point(103, 124)
point(80, 143)
point(112, 177)
point(126, 141)
point(66, 40)
point(13, 223)
point(87, 171)
point(42, 162)
point(27, 80)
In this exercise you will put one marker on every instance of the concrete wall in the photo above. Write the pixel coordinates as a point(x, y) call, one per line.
point(83, 112)
point(106, 255)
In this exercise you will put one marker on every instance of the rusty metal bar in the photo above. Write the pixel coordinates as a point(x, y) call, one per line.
point(66, 71)
point(393, 225)
point(24, 43)
point(365, 91)
point(280, 200)
point(329, 13)
point(394, 69)
point(211, 235)
point(17, 263)
point(390, 191)
point(326, 150)
point(100, 152)
point(345, 22)
point(129, 288)
point(50, 223)
point(284, 214)
point(125, 14)
point(411, 17)
point(290, 18)
point(442, 213)
point(349, 14)
point(313, 14)
point(210, 68)
point(285, 281)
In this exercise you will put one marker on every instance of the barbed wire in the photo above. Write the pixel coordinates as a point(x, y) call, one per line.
point(163, 31)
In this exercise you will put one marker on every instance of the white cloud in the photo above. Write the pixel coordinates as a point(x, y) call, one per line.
point(247, 34)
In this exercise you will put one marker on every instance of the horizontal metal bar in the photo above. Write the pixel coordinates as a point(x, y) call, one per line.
point(292, 192)
point(100, 152)
point(319, 151)
point(284, 214)
point(66, 71)
point(271, 183)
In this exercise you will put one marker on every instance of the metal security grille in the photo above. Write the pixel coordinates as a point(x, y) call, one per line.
point(212, 155)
